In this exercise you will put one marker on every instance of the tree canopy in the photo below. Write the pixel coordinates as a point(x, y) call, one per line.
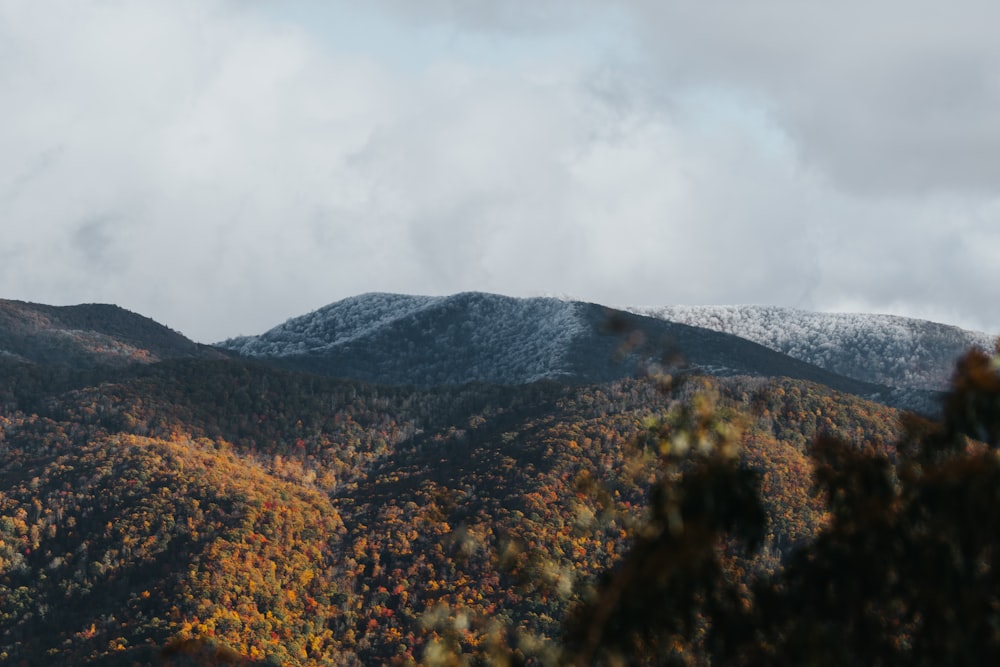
point(903, 572)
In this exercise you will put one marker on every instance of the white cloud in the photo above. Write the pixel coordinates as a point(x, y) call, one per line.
point(888, 97)
point(221, 166)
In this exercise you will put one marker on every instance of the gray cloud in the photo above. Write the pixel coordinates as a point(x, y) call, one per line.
point(887, 98)
point(93, 242)
point(232, 168)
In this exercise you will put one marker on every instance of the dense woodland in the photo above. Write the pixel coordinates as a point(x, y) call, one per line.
point(217, 511)
point(313, 521)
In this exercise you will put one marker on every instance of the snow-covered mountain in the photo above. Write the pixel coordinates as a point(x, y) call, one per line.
point(405, 339)
point(476, 337)
point(882, 349)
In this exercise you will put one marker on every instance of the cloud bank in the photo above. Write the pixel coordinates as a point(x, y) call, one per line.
point(222, 166)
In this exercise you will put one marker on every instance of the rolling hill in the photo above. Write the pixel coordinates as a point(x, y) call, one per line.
point(87, 335)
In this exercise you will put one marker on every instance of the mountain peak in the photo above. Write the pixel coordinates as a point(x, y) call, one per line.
point(479, 337)
point(396, 338)
point(883, 349)
point(93, 333)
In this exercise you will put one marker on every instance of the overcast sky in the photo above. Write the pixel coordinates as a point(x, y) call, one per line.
point(222, 165)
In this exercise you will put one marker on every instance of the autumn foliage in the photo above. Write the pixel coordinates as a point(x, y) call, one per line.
point(197, 511)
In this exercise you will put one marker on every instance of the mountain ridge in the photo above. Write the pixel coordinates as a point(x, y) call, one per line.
point(883, 349)
point(88, 334)
point(401, 339)
point(475, 336)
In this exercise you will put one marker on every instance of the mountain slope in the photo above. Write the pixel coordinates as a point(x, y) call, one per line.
point(112, 544)
point(399, 339)
point(312, 521)
point(87, 335)
point(427, 341)
point(881, 349)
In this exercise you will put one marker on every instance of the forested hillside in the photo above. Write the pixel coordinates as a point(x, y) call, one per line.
point(196, 508)
point(313, 521)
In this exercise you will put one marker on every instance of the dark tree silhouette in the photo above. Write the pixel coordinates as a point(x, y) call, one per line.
point(903, 574)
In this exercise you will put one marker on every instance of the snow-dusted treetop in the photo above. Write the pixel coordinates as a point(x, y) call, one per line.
point(514, 340)
point(332, 325)
point(884, 349)
point(485, 337)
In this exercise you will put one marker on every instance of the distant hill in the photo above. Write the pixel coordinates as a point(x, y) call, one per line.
point(882, 349)
point(475, 337)
point(400, 339)
point(90, 334)
point(426, 341)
